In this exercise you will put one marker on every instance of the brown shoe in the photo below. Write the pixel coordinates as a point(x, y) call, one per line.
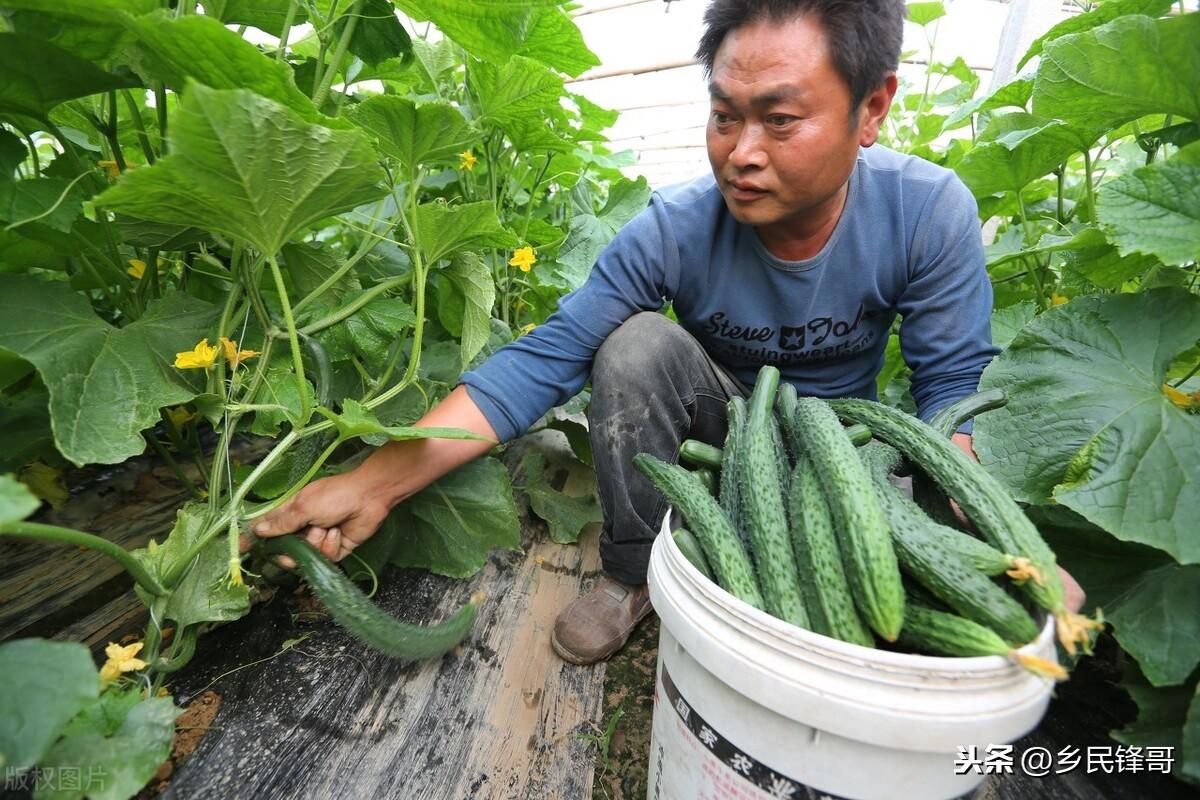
point(598, 623)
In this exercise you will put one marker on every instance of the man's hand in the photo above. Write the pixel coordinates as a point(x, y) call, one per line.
point(334, 514)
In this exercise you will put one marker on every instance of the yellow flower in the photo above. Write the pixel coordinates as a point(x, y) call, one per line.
point(120, 660)
point(1057, 299)
point(526, 329)
point(201, 357)
point(110, 168)
point(1188, 402)
point(180, 416)
point(137, 267)
point(523, 258)
point(466, 160)
point(235, 356)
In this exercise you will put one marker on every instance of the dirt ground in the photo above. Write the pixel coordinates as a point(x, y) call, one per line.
point(629, 691)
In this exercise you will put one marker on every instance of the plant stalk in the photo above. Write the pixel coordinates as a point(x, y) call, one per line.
point(53, 533)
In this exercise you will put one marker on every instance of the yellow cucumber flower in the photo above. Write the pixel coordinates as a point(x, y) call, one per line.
point(120, 660)
point(527, 328)
point(466, 160)
point(137, 267)
point(202, 356)
point(1188, 402)
point(1057, 299)
point(235, 356)
point(180, 416)
point(523, 259)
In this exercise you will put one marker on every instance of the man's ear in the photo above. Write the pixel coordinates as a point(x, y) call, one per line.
point(874, 109)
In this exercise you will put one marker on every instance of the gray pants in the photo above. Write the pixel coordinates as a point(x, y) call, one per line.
point(653, 386)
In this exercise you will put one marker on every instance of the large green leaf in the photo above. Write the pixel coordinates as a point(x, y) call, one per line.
point(1156, 209)
point(590, 233)
point(450, 526)
point(39, 75)
point(16, 501)
point(1087, 253)
point(1015, 149)
point(203, 595)
point(309, 265)
point(1189, 769)
point(491, 29)
point(127, 759)
point(522, 89)
point(279, 388)
point(1087, 423)
point(106, 384)
point(375, 328)
point(201, 49)
point(25, 427)
point(473, 281)
point(566, 516)
point(924, 13)
point(1157, 621)
point(1007, 322)
point(378, 35)
point(442, 229)
point(93, 11)
point(45, 685)
point(266, 15)
point(51, 202)
point(1105, 12)
point(553, 38)
point(414, 134)
point(1131, 67)
point(249, 168)
point(1162, 712)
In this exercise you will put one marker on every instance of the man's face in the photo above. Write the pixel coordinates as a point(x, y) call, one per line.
point(781, 138)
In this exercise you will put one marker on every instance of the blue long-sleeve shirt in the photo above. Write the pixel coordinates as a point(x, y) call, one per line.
point(907, 243)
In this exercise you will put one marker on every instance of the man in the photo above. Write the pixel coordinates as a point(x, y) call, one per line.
point(799, 251)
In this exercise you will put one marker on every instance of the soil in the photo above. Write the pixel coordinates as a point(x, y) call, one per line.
point(190, 728)
point(629, 688)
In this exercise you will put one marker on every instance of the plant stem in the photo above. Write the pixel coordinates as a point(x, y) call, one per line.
point(33, 153)
point(290, 321)
point(165, 455)
point(53, 533)
point(1091, 192)
point(339, 53)
point(1184, 379)
point(350, 308)
point(135, 115)
point(160, 109)
point(1060, 173)
point(287, 29)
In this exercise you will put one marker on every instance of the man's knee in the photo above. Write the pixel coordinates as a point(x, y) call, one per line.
point(641, 343)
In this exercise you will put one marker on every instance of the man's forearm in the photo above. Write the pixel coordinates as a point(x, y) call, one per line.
point(964, 442)
point(398, 470)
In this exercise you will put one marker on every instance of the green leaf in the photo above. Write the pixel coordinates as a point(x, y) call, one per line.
point(1156, 209)
point(249, 168)
point(591, 233)
point(577, 437)
point(357, 421)
point(45, 685)
point(376, 327)
point(309, 265)
point(279, 388)
point(1015, 149)
point(1087, 423)
point(12, 152)
point(94, 11)
point(452, 525)
point(1015, 93)
point(266, 15)
point(196, 48)
point(490, 29)
point(127, 760)
point(106, 384)
point(1189, 769)
point(1007, 322)
point(105, 713)
point(51, 202)
point(566, 516)
point(1157, 621)
point(473, 280)
point(435, 57)
point(1131, 67)
point(924, 13)
point(414, 134)
point(1161, 711)
point(1105, 12)
point(39, 75)
point(517, 96)
point(1085, 252)
point(441, 229)
point(25, 427)
point(554, 39)
point(16, 501)
point(203, 595)
point(378, 35)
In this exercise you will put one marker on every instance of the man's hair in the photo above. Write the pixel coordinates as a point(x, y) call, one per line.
point(864, 35)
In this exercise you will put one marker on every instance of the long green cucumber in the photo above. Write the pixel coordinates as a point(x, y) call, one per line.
point(827, 596)
point(949, 419)
point(984, 500)
point(865, 541)
point(370, 624)
point(945, 634)
point(735, 414)
point(707, 478)
point(689, 545)
point(705, 518)
point(785, 410)
point(700, 454)
point(762, 501)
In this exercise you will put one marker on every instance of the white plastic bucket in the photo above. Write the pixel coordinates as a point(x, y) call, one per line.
point(747, 706)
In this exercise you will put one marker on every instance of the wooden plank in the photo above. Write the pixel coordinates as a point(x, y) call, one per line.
point(330, 719)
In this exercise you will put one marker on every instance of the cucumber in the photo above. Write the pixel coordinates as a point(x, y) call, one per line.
point(949, 419)
point(707, 478)
point(690, 547)
point(983, 499)
point(865, 541)
point(356, 613)
point(823, 581)
point(943, 634)
point(718, 540)
point(762, 502)
point(785, 410)
point(735, 413)
point(700, 454)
